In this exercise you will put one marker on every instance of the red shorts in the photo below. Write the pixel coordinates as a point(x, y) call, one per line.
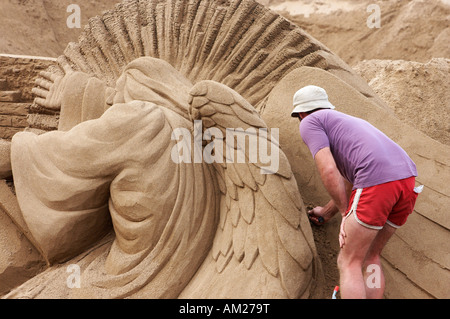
point(389, 203)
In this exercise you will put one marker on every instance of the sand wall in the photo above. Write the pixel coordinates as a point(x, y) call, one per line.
point(17, 74)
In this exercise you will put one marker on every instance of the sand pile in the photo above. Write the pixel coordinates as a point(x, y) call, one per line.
point(419, 93)
point(410, 30)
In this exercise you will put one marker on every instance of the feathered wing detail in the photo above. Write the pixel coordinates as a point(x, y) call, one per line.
point(261, 211)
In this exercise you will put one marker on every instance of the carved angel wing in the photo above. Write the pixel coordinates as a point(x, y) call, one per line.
point(261, 212)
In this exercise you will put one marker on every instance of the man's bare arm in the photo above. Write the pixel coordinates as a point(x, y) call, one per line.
point(333, 181)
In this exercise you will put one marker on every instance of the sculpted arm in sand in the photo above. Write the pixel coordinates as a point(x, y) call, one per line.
point(84, 101)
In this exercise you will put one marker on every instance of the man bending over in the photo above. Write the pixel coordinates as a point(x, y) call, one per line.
point(371, 181)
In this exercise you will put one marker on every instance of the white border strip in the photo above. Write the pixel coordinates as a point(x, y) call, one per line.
point(15, 56)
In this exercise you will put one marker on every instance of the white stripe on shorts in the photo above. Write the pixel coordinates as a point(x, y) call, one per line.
point(355, 207)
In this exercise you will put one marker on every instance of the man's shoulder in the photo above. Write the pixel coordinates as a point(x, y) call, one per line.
point(316, 118)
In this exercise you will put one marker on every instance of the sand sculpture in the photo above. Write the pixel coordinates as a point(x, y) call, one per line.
point(165, 214)
point(232, 231)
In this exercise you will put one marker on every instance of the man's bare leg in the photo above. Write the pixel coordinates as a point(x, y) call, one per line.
point(358, 241)
point(373, 260)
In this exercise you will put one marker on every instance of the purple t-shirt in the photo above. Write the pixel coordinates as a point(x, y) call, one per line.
point(363, 154)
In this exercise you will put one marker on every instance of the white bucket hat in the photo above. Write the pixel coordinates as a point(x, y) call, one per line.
point(309, 98)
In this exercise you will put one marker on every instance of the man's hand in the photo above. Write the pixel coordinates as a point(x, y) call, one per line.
point(316, 215)
point(342, 233)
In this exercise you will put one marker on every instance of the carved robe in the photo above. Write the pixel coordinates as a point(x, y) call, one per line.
point(70, 181)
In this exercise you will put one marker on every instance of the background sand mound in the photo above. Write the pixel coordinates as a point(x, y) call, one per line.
point(419, 93)
point(410, 30)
